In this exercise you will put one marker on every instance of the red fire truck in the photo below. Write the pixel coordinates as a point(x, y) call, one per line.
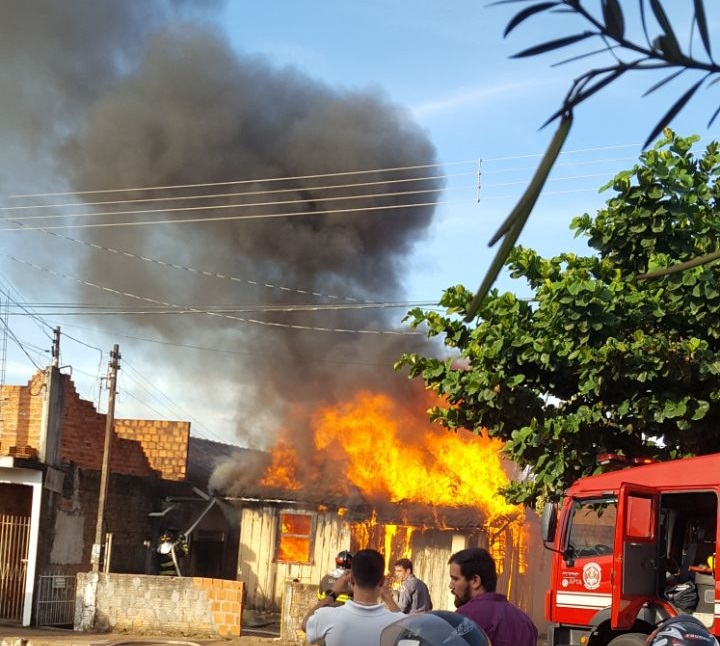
point(622, 541)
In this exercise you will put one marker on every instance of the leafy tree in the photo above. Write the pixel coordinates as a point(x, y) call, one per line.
point(598, 360)
point(657, 47)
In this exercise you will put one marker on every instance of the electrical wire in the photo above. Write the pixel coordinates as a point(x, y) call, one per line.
point(241, 205)
point(172, 406)
point(247, 281)
point(294, 189)
point(228, 351)
point(239, 319)
point(20, 345)
point(9, 287)
point(316, 176)
point(231, 218)
point(114, 310)
point(308, 201)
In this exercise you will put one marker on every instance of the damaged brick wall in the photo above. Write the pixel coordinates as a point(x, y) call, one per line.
point(153, 448)
point(21, 408)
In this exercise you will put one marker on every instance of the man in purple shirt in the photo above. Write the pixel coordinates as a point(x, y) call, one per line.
point(472, 580)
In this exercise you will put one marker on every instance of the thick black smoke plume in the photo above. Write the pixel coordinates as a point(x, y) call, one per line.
point(116, 98)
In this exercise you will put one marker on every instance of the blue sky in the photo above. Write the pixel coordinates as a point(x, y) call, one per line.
point(445, 64)
point(450, 66)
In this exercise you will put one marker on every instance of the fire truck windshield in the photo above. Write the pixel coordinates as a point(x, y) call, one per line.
point(591, 528)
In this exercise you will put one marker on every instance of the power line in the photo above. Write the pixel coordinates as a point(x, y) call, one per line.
point(202, 272)
point(254, 282)
point(239, 319)
point(115, 310)
point(261, 216)
point(312, 200)
point(263, 355)
point(230, 218)
point(173, 407)
point(315, 176)
point(308, 201)
point(241, 205)
point(236, 182)
point(19, 344)
point(294, 189)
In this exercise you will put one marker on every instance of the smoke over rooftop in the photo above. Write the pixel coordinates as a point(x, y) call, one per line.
point(114, 98)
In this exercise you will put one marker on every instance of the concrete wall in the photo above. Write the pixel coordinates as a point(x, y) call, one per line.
point(298, 598)
point(154, 605)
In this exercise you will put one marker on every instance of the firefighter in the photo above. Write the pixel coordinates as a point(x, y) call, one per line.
point(343, 561)
point(171, 549)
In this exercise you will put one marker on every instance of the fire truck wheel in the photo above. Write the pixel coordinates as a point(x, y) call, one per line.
point(629, 639)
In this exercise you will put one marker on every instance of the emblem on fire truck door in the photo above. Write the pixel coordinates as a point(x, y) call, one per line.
point(591, 575)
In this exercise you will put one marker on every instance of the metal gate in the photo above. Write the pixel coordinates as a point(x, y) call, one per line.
point(14, 546)
point(55, 600)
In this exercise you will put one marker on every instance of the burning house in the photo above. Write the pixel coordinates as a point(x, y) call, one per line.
point(368, 473)
point(307, 202)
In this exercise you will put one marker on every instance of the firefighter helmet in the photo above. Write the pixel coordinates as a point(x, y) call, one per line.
point(433, 629)
point(682, 630)
point(344, 560)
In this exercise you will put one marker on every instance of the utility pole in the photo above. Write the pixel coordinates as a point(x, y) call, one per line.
point(56, 348)
point(104, 473)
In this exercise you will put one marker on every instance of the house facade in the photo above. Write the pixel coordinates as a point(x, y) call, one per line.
point(51, 451)
point(284, 542)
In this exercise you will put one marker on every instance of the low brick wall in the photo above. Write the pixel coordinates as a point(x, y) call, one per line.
point(152, 605)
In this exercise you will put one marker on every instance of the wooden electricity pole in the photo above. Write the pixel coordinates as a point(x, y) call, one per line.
point(105, 470)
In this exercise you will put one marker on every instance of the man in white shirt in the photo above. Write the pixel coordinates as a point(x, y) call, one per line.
point(359, 621)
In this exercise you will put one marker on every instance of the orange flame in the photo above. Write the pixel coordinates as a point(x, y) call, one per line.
point(399, 455)
point(393, 453)
point(295, 532)
point(283, 468)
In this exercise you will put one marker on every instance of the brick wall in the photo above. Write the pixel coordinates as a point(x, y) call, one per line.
point(165, 444)
point(138, 447)
point(20, 414)
point(158, 605)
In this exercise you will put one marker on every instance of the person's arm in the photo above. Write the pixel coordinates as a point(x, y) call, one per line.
point(404, 602)
point(388, 599)
point(329, 599)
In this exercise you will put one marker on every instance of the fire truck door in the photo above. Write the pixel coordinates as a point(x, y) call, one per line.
point(635, 559)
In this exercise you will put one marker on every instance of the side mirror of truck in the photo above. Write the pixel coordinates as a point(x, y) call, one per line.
point(569, 556)
point(548, 522)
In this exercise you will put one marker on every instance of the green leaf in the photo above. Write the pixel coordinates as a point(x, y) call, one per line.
point(675, 108)
point(667, 79)
point(614, 21)
point(702, 25)
point(526, 13)
point(674, 409)
point(671, 47)
point(553, 44)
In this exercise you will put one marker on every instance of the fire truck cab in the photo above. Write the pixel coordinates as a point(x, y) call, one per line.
point(622, 541)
